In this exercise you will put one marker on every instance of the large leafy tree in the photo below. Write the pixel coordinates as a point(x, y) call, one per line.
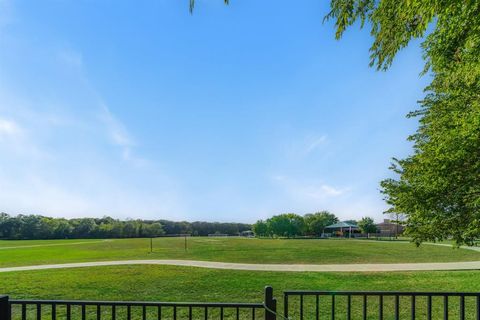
point(367, 225)
point(286, 225)
point(316, 222)
point(260, 228)
point(437, 188)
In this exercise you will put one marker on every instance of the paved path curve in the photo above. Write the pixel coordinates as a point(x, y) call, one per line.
point(468, 265)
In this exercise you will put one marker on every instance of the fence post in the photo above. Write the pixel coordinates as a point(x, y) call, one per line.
point(4, 308)
point(270, 304)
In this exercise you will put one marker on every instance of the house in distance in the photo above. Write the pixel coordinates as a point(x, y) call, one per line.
point(389, 228)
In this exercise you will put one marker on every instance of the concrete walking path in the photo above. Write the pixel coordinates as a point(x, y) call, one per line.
point(466, 265)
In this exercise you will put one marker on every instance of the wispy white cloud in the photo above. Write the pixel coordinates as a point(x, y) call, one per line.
point(115, 129)
point(314, 143)
point(305, 195)
point(308, 189)
point(9, 128)
point(42, 196)
point(16, 140)
point(56, 155)
point(74, 176)
point(119, 136)
point(324, 191)
point(305, 145)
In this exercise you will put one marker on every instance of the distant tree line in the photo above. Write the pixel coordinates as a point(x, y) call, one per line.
point(201, 228)
point(41, 227)
point(309, 225)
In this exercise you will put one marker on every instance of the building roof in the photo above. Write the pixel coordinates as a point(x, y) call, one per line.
point(341, 224)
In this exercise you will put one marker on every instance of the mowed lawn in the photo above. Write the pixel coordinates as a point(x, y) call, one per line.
point(18, 253)
point(170, 283)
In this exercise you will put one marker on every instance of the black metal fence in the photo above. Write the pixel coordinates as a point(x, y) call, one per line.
point(297, 305)
point(381, 305)
point(120, 310)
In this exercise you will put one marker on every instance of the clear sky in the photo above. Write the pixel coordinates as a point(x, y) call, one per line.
point(138, 109)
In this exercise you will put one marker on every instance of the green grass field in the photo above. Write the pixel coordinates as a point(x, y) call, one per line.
point(172, 283)
point(167, 283)
point(18, 253)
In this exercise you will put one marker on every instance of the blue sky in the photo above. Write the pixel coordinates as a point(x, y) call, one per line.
point(138, 109)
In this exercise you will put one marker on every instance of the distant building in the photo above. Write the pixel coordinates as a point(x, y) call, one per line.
point(248, 234)
point(387, 227)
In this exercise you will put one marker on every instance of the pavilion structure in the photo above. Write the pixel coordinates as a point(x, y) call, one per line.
point(342, 229)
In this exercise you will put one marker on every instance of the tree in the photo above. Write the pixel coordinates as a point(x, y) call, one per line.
point(260, 228)
point(367, 225)
point(40, 227)
point(63, 229)
point(84, 228)
point(130, 229)
point(152, 230)
point(437, 188)
point(286, 225)
point(316, 222)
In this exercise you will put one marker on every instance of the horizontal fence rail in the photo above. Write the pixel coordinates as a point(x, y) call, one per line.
point(381, 305)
